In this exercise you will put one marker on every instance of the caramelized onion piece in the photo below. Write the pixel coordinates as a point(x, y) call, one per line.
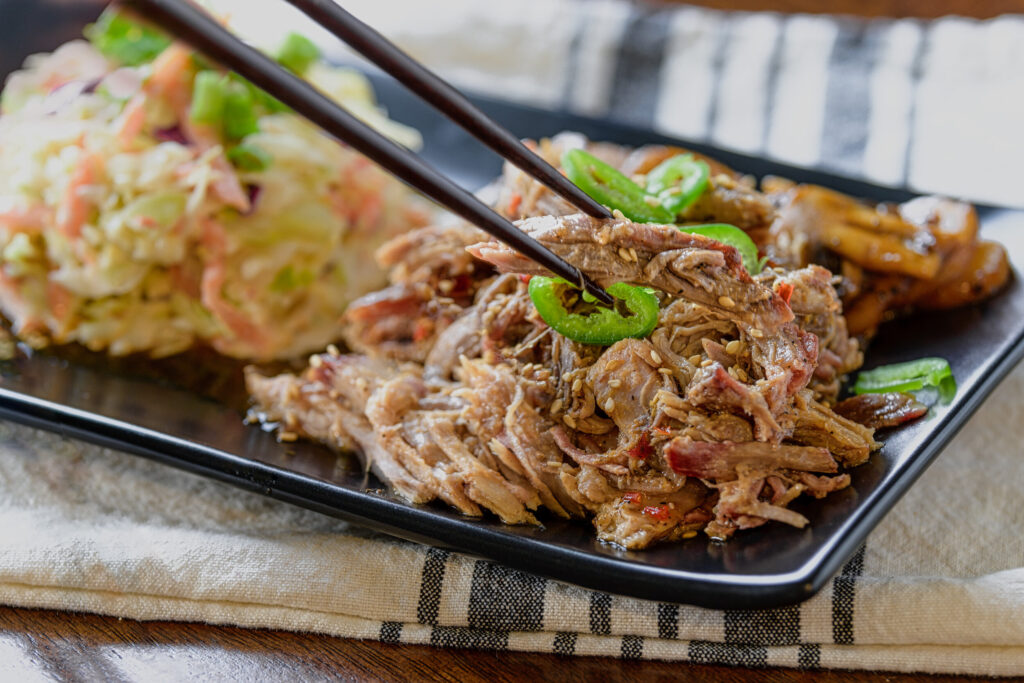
point(986, 272)
point(876, 238)
point(952, 223)
point(644, 159)
point(866, 312)
point(879, 251)
point(881, 410)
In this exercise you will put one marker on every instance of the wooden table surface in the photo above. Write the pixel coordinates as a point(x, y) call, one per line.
point(45, 644)
point(85, 647)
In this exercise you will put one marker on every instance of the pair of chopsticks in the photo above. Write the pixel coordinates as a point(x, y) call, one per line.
point(196, 27)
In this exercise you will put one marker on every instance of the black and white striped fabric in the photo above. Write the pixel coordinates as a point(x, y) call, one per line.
point(938, 587)
point(936, 106)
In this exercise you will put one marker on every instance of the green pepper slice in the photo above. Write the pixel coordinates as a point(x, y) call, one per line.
point(908, 376)
point(561, 307)
point(732, 236)
point(608, 186)
point(678, 182)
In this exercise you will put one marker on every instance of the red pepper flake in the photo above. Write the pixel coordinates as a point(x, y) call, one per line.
point(422, 330)
point(525, 279)
point(658, 512)
point(785, 291)
point(633, 497)
point(662, 431)
point(513, 203)
point(642, 449)
point(461, 286)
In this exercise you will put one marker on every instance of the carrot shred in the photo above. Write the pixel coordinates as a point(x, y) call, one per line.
point(76, 207)
point(133, 118)
point(514, 203)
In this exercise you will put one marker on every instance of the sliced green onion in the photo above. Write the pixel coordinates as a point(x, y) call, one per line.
point(678, 182)
point(297, 53)
point(239, 112)
point(249, 158)
point(582, 320)
point(608, 186)
point(124, 40)
point(268, 101)
point(289, 279)
point(732, 236)
point(908, 376)
point(260, 96)
point(209, 94)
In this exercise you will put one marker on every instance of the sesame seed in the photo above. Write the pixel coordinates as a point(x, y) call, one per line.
point(726, 301)
point(565, 376)
point(694, 359)
point(577, 385)
point(632, 252)
point(568, 419)
point(689, 534)
point(615, 383)
point(615, 364)
point(651, 200)
point(316, 361)
point(609, 405)
point(706, 362)
point(665, 371)
point(287, 436)
point(756, 333)
point(656, 357)
point(556, 405)
point(618, 214)
point(554, 463)
point(624, 255)
point(333, 350)
point(733, 347)
point(446, 286)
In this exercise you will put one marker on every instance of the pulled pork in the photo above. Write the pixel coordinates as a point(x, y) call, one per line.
point(716, 422)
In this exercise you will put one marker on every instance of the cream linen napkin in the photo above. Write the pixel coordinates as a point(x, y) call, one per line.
point(938, 587)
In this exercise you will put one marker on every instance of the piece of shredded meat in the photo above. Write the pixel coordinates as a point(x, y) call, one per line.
point(680, 264)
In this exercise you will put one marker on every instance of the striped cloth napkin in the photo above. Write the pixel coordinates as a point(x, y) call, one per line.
point(939, 586)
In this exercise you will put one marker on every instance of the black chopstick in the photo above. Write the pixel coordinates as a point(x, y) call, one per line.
point(196, 27)
point(438, 92)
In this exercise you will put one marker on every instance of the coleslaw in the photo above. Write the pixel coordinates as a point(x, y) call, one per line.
point(140, 213)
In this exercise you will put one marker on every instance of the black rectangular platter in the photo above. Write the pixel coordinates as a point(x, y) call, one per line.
point(771, 566)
